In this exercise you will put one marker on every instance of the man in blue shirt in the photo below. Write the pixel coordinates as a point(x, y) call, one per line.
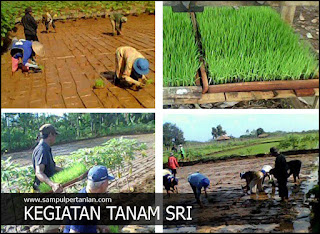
point(23, 49)
point(42, 159)
point(197, 182)
point(98, 181)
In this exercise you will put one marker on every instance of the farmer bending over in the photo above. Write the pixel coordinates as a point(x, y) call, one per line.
point(169, 182)
point(253, 180)
point(280, 172)
point(173, 164)
point(197, 182)
point(117, 20)
point(24, 49)
point(30, 25)
point(42, 159)
point(131, 66)
point(47, 20)
point(98, 182)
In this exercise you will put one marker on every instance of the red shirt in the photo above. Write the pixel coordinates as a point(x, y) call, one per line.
point(172, 162)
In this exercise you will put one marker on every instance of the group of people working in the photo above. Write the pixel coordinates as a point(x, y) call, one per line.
point(130, 68)
point(254, 179)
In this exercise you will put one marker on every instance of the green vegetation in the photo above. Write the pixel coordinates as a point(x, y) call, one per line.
point(240, 147)
point(12, 11)
point(180, 50)
point(116, 154)
point(252, 44)
point(19, 131)
point(65, 176)
point(99, 83)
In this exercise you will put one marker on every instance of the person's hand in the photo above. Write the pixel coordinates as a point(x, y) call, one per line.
point(57, 188)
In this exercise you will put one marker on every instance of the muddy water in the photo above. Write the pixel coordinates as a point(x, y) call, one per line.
point(230, 209)
point(73, 62)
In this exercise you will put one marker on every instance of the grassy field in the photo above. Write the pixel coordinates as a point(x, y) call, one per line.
point(196, 151)
point(253, 44)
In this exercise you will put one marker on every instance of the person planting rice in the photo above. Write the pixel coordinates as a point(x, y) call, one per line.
point(266, 173)
point(173, 164)
point(25, 49)
point(98, 182)
point(197, 182)
point(253, 180)
point(280, 172)
point(117, 20)
point(30, 25)
point(131, 66)
point(42, 159)
point(47, 20)
point(169, 182)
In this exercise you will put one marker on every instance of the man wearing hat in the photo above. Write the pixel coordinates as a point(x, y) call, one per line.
point(117, 18)
point(24, 49)
point(30, 25)
point(42, 159)
point(131, 66)
point(98, 182)
point(280, 172)
point(197, 182)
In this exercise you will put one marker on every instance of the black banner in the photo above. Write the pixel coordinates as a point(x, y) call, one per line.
point(104, 209)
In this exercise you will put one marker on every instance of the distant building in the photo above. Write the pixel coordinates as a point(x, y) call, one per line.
point(264, 135)
point(223, 138)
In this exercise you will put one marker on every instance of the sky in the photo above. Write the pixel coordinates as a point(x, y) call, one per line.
point(197, 127)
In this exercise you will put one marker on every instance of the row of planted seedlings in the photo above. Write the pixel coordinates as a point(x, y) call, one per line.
point(116, 154)
point(244, 49)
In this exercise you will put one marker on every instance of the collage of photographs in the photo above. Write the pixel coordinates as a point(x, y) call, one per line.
point(207, 110)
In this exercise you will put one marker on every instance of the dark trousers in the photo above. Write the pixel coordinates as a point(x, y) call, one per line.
point(174, 172)
point(48, 23)
point(283, 189)
point(31, 37)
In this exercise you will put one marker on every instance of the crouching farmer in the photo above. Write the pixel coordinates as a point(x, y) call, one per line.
point(98, 182)
point(253, 180)
point(169, 182)
point(23, 49)
point(131, 66)
point(117, 20)
point(42, 159)
point(197, 182)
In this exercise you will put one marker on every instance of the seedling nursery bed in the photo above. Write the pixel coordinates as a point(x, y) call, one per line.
point(245, 49)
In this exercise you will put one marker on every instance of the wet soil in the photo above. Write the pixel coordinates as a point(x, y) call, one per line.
point(78, 54)
point(230, 209)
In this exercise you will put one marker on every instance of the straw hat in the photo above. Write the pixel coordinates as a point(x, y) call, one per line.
point(38, 48)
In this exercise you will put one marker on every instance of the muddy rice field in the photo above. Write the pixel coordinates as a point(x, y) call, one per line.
point(79, 53)
point(228, 208)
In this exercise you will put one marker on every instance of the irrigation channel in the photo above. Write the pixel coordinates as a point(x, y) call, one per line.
point(77, 55)
point(231, 210)
point(139, 180)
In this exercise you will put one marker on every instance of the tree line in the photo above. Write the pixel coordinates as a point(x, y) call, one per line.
point(20, 130)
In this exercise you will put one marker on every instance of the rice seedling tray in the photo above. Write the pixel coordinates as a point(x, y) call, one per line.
point(295, 77)
point(66, 177)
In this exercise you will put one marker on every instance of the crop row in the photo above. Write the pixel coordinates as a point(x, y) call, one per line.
point(238, 45)
point(116, 154)
point(12, 11)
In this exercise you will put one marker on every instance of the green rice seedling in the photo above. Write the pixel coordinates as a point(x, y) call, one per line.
point(252, 44)
point(65, 176)
point(180, 50)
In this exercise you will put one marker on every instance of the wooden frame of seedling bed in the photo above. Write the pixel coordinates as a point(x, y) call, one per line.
point(74, 181)
point(244, 91)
